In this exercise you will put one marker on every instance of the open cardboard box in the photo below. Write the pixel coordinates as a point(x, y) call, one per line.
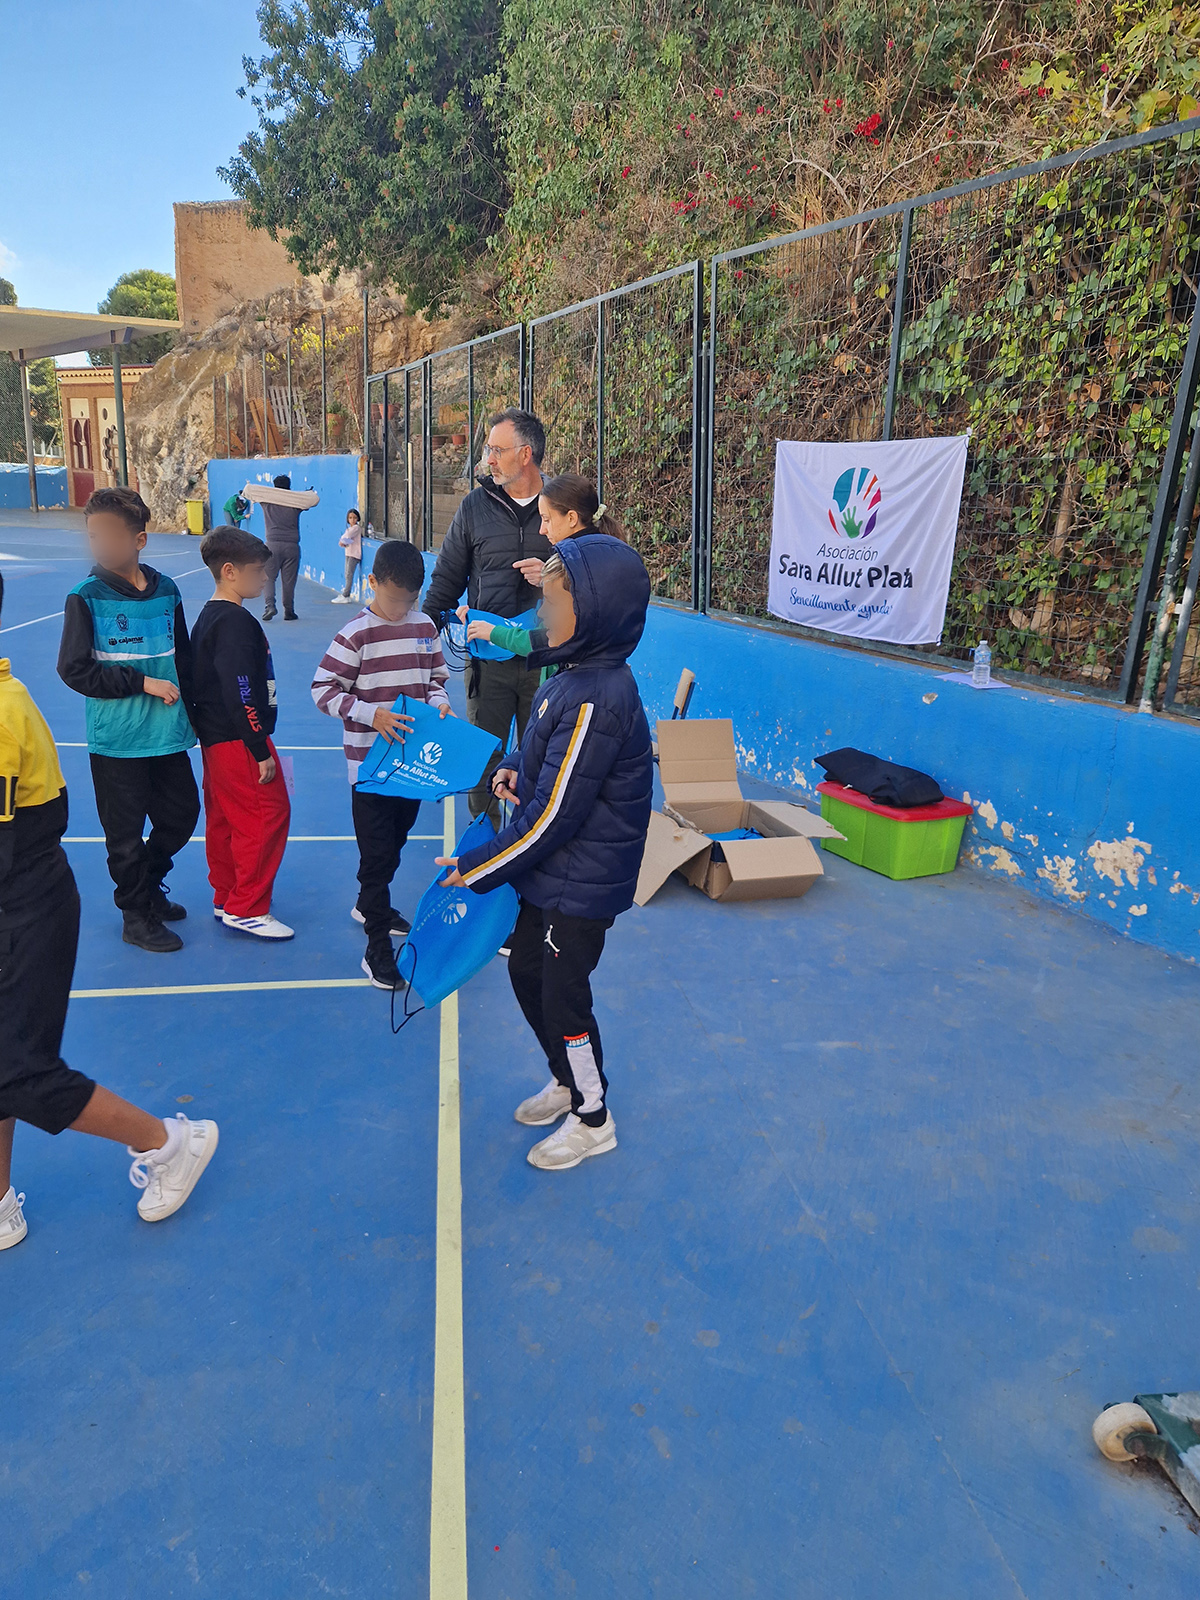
point(698, 767)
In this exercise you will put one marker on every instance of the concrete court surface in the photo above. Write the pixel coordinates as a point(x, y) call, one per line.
point(905, 1191)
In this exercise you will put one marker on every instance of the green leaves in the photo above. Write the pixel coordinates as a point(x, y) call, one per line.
point(373, 149)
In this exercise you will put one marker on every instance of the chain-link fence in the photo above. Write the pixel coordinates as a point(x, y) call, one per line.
point(1049, 311)
point(300, 396)
point(616, 381)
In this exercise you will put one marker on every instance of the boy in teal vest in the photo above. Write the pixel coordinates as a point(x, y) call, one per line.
point(125, 647)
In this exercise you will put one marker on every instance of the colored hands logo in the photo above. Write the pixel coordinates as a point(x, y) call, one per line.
point(454, 911)
point(855, 499)
point(431, 753)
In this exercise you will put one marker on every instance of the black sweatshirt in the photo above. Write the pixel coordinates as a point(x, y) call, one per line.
point(233, 679)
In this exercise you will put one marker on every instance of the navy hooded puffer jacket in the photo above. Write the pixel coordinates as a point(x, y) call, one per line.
point(585, 774)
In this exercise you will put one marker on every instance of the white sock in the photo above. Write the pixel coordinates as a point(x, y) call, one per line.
point(8, 1201)
point(176, 1133)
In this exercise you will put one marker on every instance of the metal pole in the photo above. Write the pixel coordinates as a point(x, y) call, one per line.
point(408, 458)
point(698, 428)
point(245, 410)
point(1180, 422)
point(119, 399)
point(228, 435)
point(28, 414)
point(1166, 603)
point(266, 441)
point(600, 398)
point(1188, 599)
point(366, 360)
point(291, 407)
point(427, 457)
point(214, 413)
point(889, 405)
point(470, 416)
point(387, 431)
point(324, 419)
point(710, 442)
point(525, 366)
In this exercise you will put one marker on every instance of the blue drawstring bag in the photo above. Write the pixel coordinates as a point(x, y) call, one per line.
point(482, 649)
point(455, 932)
point(439, 756)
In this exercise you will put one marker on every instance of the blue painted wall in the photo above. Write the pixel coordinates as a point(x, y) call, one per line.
point(1089, 804)
point(335, 478)
point(14, 486)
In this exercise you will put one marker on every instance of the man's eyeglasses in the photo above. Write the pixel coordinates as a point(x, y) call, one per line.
point(501, 449)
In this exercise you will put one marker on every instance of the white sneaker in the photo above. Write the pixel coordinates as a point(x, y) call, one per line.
point(219, 912)
point(168, 1183)
point(13, 1226)
point(572, 1143)
point(341, 600)
point(546, 1106)
point(264, 927)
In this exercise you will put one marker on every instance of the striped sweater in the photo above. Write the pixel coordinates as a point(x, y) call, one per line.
point(371, 663)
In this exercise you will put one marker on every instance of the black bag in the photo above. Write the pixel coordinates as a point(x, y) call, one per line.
point(881, 781)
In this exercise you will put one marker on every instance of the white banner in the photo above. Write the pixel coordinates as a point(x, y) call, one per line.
point(863, 536)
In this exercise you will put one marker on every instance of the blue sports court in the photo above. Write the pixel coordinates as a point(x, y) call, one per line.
point(905, 1192)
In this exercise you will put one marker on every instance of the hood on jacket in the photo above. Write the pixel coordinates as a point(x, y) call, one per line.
point(611, 590)
point(123, 587)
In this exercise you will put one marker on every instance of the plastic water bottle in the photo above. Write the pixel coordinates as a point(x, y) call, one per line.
point(981, 672)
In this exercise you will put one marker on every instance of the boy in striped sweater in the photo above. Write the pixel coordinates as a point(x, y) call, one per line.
point(389, 649)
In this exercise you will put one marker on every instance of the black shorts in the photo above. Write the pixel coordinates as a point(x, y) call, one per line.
point(37, 962)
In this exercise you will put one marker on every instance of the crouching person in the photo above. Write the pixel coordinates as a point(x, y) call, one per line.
point(582, 786)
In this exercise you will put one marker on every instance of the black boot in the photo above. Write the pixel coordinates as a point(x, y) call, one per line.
point(148, 933)
point(162, 908)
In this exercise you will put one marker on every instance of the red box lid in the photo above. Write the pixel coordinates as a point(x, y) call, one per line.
point(937, 813)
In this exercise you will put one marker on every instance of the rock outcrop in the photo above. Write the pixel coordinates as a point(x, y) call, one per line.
point(169, 416)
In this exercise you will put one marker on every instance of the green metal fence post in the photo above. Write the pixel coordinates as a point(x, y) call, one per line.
point(600, 397)
point(1184, 400)
point(889, 405)
point(119, 407)
point(1166, 599)
point(699, 430)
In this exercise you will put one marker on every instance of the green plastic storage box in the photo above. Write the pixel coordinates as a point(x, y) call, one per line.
point(901, 844)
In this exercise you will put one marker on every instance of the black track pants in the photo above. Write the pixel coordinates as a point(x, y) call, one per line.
point(550, 967)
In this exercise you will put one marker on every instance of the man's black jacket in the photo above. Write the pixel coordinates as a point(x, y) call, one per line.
point(488, 534)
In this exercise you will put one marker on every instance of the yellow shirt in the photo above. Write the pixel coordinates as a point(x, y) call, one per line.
point(29, 771)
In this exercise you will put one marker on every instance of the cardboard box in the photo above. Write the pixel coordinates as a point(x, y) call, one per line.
point(698, 767)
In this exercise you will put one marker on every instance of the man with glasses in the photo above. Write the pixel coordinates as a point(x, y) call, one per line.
point(496, 528)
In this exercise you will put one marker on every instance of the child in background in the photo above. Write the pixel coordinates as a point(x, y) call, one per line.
point(125, 647)
point(569, 506)
point(582, 787)
point(351, 543)
point(39, 933)
point(246, 806)
point(390, 648)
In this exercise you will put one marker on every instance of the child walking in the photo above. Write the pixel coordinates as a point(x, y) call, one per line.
point(125, 647)
point(39, 933)
point(351, 543)
point(246, 806)
point(390, 648)
point(582, 787)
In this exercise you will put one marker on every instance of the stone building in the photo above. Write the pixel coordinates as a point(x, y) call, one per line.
point(221, 263)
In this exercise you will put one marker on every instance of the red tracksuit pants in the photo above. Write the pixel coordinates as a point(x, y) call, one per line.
point(245, 828)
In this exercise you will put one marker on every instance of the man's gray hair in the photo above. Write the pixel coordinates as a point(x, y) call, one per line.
point(528, 428)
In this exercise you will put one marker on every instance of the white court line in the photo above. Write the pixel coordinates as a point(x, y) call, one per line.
point(448, 1487)
point(49, 617)
point(293, 838)
point(222, 988)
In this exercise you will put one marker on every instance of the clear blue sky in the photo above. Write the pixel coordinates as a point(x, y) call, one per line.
point(110, 111)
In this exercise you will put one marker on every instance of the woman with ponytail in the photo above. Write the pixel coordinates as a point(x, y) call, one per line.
point(569, 506)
